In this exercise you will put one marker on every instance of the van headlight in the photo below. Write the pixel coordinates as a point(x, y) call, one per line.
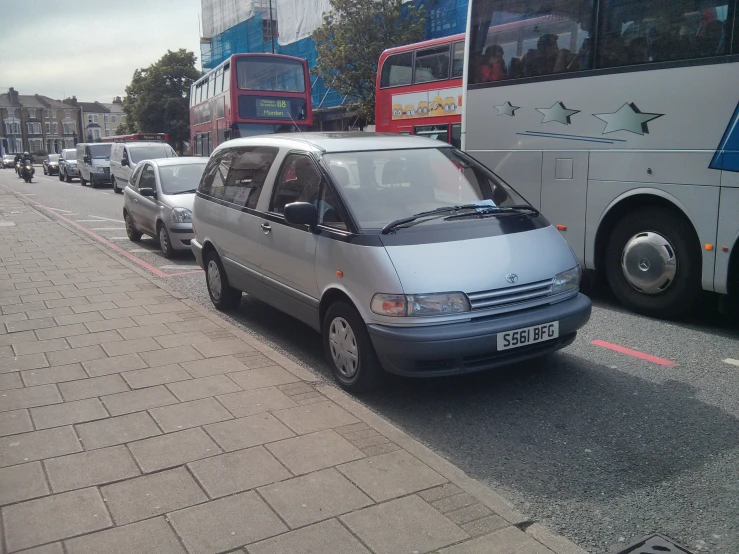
point(567, 280)
point(420, 305)
point(181, 215)
point(99, 169)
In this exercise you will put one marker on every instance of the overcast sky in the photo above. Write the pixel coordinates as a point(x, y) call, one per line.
point(89, 48)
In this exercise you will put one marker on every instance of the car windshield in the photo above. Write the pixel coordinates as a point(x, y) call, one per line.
point(70, 155)
point(100, 151)
point(384, 186)
point(151, 153)
point(179, 179)
point(54, 157)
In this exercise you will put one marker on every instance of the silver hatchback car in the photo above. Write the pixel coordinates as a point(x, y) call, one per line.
point(158, 201)
point(406, 254)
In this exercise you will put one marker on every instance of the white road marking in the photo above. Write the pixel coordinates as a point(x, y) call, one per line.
point(60, 210)
point(116, 238)
point(31, 194)
point(108, 229)
point(87, 220)
point(179, 267)
point(731, 361)
point(142, 250)
point(106, 218)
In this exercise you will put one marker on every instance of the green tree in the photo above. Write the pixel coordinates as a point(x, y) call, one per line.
point(351, 39)
point(157, 100)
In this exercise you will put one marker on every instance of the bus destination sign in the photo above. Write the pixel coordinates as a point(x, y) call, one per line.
point(273, 108)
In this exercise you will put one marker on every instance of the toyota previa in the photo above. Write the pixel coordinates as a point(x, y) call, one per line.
point(406, 254)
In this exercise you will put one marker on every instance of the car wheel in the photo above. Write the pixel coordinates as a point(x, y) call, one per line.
point(134, 235)
point(164, 243)
point(67, 178)
point(223, 295)
point(349, 349)
point(653, 263)
point(45, 171)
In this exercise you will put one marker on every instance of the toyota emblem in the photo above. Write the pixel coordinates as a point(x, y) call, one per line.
point(511, 278)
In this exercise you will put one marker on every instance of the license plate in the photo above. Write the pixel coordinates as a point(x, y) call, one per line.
point(528, 335)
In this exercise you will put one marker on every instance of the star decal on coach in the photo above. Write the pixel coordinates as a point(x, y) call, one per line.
point(507, 109)
point(627, 118)
point(558, 112)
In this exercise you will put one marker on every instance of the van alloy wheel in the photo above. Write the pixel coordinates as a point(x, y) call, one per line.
point(222, 294)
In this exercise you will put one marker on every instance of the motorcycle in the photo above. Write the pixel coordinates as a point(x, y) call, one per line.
point(27, 172)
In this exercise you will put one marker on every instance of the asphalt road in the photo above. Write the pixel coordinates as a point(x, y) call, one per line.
point(600, 445)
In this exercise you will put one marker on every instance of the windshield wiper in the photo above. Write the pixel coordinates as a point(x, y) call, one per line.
point(398, 222)
point(491, 211)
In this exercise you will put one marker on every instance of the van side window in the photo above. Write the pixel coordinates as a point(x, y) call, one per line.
point(246, 176)
point(215, 174)
point(329, 213)
point(299, 181)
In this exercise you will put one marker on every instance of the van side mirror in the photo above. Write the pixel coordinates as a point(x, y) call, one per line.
point(301, 213)
point(86, 159)
point(147, 192)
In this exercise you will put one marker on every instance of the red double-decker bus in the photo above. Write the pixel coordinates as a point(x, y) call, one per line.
point(249, 94)
point(419, 89)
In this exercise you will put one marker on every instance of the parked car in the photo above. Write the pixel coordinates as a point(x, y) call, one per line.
point(68, 168)
point(158, 201)
point(94, 163)
point(51, 164)
point(8, 160)
point(405, 253)
point(124, 156)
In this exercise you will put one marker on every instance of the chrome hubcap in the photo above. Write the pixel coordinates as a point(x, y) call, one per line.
point(214, 280)
point(649, 262)
point(163, 240)
point(344, 350)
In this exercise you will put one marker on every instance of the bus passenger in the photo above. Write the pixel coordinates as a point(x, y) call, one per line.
point(493, 65)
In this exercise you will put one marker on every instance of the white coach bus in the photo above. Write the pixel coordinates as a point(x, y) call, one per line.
point(619, 120)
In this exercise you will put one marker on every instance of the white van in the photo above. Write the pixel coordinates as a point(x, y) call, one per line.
point(125, 155)
point(93, 161)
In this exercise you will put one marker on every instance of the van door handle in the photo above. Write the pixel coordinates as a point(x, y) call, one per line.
point(266, 227)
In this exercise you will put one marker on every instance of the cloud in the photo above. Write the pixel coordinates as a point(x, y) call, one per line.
point(90, 48)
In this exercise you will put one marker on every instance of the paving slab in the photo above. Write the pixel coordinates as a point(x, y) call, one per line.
point(152, 495)
point(238, 471)
point(117, 430)
point(315, 417)
point(30, 397)
point(150, 377)
point(173, 449)
point(391, 475)
point(116, 364)
point(59, 374)
point(91, 387)
point(12, 423)
point(314, 497)
point(137, 400)
point(213, 366)
point(22, 482)
point(242, 404)
point(53, 518)
point(11, 381)
point(248, 431)
point(153, 535)
point(321, 538)
point(403, 525)
point(203, 387)
point(189, 414)
point(316, 451)
point(86, 469)
point(226, 523)
point(68, 413)
point(503, 541)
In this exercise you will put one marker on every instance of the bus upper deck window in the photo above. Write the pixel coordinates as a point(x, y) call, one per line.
point(397, 70)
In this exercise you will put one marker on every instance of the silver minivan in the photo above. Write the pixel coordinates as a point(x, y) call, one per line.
point(406, 254)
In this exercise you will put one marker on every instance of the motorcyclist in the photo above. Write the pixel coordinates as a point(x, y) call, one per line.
point(18, 160)
point(26, 160)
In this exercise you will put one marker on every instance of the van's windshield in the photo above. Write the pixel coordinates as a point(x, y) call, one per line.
point(100, 151)
point(151, 153)
point(384, 186)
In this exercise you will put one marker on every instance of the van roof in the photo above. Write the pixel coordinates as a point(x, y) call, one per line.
point(344, 141)
point(136, 143)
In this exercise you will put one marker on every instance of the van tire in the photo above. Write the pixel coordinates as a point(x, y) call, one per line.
point(68, 179)
point(222, 294)
point(115, 186)
point(342, 320)
point(134, 235)
point(683, 292)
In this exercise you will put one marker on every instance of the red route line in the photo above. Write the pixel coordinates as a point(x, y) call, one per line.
point(635, 353)
point(155, 270)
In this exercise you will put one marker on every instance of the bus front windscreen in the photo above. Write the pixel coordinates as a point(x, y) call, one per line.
point(272, 74)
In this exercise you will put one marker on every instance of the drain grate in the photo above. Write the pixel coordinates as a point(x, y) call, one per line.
point(654, 544)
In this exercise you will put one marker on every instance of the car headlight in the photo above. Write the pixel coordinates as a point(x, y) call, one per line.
point(420, 305)
point(181, 215)
point(567, 280)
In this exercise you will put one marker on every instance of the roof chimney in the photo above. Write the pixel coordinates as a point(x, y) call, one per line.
point(13, 96)
point(117, 100)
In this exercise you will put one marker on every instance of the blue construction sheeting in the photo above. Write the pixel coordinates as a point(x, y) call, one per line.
point(443, 18)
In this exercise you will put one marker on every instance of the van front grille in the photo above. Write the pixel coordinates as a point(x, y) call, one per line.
point(510, 295)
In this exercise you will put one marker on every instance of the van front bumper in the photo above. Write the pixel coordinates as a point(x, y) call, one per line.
point(458, 348)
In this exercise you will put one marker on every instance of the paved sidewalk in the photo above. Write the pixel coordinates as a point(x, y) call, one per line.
point(135, 421)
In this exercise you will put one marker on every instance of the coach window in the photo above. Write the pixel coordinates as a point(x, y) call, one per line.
point(432, 64)
point(506, 43)
point(397, 70)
